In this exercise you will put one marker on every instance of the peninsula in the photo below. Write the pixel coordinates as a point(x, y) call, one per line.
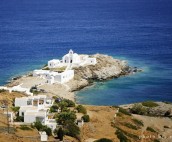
point(74, 72)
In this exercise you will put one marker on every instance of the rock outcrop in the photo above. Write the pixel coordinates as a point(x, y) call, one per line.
point(106, 68)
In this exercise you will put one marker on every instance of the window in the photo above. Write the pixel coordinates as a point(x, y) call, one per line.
point(22, 113)
point(29, 102)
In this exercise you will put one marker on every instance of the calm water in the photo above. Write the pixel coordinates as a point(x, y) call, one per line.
point(32, 32)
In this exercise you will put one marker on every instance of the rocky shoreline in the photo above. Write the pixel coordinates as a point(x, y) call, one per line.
point(106, 68)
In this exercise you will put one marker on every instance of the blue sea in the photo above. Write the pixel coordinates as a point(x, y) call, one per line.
point(139, 31)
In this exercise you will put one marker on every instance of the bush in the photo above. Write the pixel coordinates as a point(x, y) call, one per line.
point(129, 125)
point(150, 129)
point(19, 119)
point(124, 111)
point(138, 109)
point(2, 90)
point(63, 105)
point(66, 116)
point(86, 118)
point(38, 125)
point(135, 137)
point(81, 109)
point(149, 104)
point(69, 103)
point(15, 109)
point(47, 130)
point(72, 129)
point(155, 140)
point(54, 108)
point(121, 136)
point(60, 134)
point(138, 122)
point(103, 140)
point(25, 127)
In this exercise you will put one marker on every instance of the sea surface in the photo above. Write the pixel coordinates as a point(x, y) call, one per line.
point(139, 31)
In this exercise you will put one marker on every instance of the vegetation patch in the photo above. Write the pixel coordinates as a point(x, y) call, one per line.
point(103, 140)
point(38, 125)
point(150, 104)
point(25, 127)
point(81, 109)
point(121, 136)
point(124, 111)
point(86, 118)
point(138, 109)
point(131, 126)
point(135, 137)
point(138, 122)
point(150, 129)
point(2, 90)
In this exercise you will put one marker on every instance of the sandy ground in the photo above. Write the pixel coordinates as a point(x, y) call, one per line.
point(61, 90)
point(158, 124)
point(100, 124)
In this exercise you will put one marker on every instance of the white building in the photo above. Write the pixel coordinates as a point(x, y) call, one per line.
point(41, 101)
point(44, 136)
point(54, 77)
point(53, 63)
point(68, 61)
point(36, 108)
point(71, 57)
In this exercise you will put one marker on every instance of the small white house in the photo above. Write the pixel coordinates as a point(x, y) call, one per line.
point(31, 116)
point(53, 63)
point(44, 136)
point(60, 77)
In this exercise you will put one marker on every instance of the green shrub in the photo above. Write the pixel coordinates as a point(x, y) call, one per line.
point(2, 90)
point(25, 127)
point(150, 104)
point(138, 122)
point(66, 116)
point(156, 140)
point(15, 109)
point(72, 129)
point(138, 109)
point(69, 103)
point(54, 108)
point(38, 125)
point(150, 129)
point(121, 136)
point(129, 125)
point(47, 130)
point(135, 137)
point(19, 119)
point(124, 111)
point(60, 134)
point(103, 140)
point(81, 109)
point(63, 105)
point(86, 118)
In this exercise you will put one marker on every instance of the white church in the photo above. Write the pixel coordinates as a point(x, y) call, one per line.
point(72, 58)
point(68, 61)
